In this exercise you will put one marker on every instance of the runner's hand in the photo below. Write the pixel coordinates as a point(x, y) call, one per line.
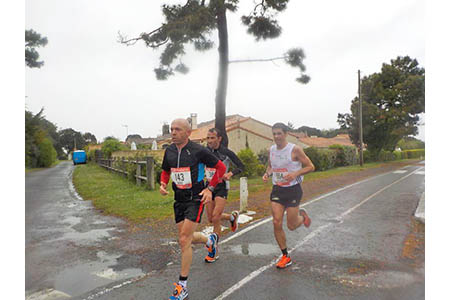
point(206, 196)
point(227, 176)
point(162, 189)
point(265, 177)
point(289, 177)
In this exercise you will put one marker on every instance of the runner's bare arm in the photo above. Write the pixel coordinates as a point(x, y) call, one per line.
point(268, 170)
point(307, 165)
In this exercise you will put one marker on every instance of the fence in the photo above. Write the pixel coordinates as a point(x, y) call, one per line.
point(120, 166)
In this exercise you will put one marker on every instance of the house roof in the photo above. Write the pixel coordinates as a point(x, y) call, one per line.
point(340, 139)
point(200, 133)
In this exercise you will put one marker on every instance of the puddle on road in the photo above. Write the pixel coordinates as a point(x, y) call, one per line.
point(82, 278)
point(72, 220)
point(255, 249)
point(85, 238)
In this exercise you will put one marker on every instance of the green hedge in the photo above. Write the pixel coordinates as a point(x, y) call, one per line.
point(47, 153)
point(322, 159)
point(251, 163)
point(416, 153)
point(345, 155)
point(391, 156)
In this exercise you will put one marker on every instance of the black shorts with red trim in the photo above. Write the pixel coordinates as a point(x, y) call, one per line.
point(289, 196)
point(191, 210)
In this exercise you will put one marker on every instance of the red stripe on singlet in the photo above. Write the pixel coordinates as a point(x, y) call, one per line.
point(199, 212)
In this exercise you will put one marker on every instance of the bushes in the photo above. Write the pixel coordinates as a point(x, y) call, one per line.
point(416, 153)
point(345, 155)
point(251, 163)
point(47, 153)
point(391, 156)
point(91, 155)
point(322, 159)
point(111, 145)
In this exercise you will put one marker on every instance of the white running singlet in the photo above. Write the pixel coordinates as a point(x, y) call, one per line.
point(282, 164)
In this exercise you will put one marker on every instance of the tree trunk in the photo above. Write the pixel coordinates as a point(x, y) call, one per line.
point(222, 82)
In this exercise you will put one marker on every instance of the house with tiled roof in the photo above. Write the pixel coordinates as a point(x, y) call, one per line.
point(321, 142)
point(241, 131)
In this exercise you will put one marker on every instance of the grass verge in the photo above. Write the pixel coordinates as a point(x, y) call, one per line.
point(29, 170)
point(116, 195)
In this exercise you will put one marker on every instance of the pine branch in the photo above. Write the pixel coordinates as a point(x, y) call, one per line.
point(256, 60)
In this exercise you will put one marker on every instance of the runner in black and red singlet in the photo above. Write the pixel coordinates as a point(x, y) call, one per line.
point(184, 162)
point(215, 208)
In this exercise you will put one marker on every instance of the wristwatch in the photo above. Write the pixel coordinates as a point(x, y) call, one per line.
point(211, 188)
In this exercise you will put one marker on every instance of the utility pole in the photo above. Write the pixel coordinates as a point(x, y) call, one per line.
point(361, 160)
point(74, 144)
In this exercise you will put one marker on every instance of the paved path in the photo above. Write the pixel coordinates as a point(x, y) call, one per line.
point(68, 248)
point(353, 250)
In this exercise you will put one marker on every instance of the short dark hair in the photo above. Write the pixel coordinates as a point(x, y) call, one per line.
point(216, 130)
point(281, 126)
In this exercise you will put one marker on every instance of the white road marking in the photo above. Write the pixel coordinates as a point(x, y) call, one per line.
point(254, 274)
point(47, 294)
point(263, 221)
point(421, 173)
point(400, 171)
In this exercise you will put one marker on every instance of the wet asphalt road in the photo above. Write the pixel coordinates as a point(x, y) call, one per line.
point(353, 250)
point(67, 242)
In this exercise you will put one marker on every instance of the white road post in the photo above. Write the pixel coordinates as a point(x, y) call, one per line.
point(243, 194)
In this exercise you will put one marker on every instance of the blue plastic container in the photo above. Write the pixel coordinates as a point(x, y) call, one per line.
point(79, 157)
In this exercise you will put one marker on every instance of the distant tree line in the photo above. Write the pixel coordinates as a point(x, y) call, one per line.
point(44, 143)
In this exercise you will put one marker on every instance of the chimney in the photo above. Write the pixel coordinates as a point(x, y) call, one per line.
point(165, 129)
point(193, 120)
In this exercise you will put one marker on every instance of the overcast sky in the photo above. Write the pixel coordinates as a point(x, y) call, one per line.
point(91, 83)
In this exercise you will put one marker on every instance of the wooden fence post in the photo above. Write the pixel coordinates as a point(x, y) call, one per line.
point(138, 173)
point(123, 167)
point(150, 172)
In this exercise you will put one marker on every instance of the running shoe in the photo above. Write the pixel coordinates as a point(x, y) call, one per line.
point(284, 262)
point(212, 250)
point(213, 241)
point(212, 256)
point(306, 219)
point(235, 223)
point(179, 293)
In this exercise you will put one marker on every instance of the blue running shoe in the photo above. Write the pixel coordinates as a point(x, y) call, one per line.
point(212, 250)
point(213, 241)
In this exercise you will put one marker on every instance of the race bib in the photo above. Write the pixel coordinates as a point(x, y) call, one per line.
point(181, 177)
point(209, 173)
point(278, 176)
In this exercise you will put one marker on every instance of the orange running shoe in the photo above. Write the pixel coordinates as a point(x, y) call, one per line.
point(306, 219)
point(212, 256)
point(235, 224)
point(179, 293)
point(285, 261)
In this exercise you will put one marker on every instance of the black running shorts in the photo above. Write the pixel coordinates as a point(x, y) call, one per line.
point(191, 210)
point(220, 191)
point(289, 196)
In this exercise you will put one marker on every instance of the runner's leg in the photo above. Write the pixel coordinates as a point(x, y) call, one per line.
point(294, 220)
point(277, 214)
point(217, 214)
point(186, 230)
